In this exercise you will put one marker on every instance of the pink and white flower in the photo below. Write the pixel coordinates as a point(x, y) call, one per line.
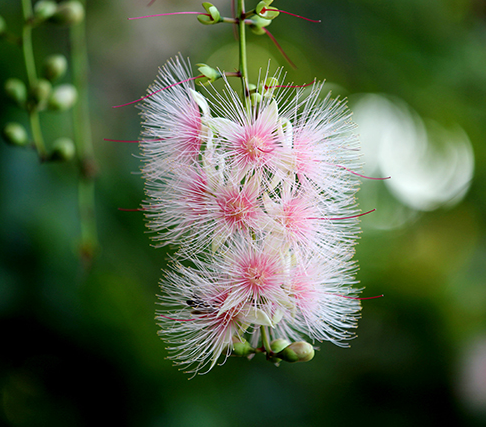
point(261, 202)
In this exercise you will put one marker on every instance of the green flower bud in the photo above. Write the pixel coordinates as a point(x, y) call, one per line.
point(16, 90)
point(258, 23)
point(251, 87)
point(39, 94)
point(210, 74)
point(297, 352)
point(63, 150)
point(214, 15)
point(68, 13)
point(3, 25)
point(63, 97)
point(264, 11)
point(279, 344)
point(15, 134)
point(55, 67)
point(241, 347)
point(255, 98)
point(44, 9)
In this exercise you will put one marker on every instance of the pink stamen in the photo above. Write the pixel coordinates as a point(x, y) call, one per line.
point(274, 40)
point(151, 3)
point(167, 14)
point(361, 299)
point(288, 13)
point(175, 320)
point(159, 90)
point(265, 151)
point(346, 217)
point(358, 174)
point(291, 86)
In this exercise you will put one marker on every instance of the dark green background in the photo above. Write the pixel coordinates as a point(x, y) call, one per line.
point(80, 348)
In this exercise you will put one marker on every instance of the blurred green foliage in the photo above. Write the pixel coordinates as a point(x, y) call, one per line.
point(80, 347)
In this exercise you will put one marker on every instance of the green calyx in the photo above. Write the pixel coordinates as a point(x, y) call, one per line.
point(68, 13)
point(241, 347)
point(257, 24)
point(300, 351)
point(63, 97)
point(39, 94)
point(265, 11)
point(214, 15)
point(15, 134)
point(63, 150)
point(209, 74)
point(44, 9)
point(16, 90)
point(54, 67)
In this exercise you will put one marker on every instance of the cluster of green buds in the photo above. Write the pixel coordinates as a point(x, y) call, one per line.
point(282, 350)
point(44, 92)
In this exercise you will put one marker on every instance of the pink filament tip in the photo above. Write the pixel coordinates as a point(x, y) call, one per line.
point(360, 175)
point(292, 14)
point(167, 14)
point(159, 90)
point(347, 217)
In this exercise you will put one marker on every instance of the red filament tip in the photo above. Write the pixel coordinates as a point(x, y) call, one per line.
point(275, 42)
point(292, 14)
point(131, 210)
point(360, 175)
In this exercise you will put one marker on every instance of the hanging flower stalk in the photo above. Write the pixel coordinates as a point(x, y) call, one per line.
point(258, 192)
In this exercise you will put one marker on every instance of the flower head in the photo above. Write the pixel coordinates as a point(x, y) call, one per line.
point(260, 201)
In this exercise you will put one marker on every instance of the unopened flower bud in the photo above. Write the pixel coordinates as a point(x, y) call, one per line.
point(210, 74)
point(255, 98)
point(3, 25)
point(40, 93)
point(45, 9)
point(69, 13)
point(214, 15)
point(279, 344)
point(63, 150)
point(63, 97)
point(16, 90)
point(300, 351)
point(55, 67)
point(265, 11)
point(241, 347)
point(15, 134)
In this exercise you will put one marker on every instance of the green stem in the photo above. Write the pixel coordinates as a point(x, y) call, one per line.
point(32, 78)
point(266, 341)
point(83, 142)
point(242, 48)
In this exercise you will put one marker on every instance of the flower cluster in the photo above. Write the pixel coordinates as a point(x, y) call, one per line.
point(260, 201)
